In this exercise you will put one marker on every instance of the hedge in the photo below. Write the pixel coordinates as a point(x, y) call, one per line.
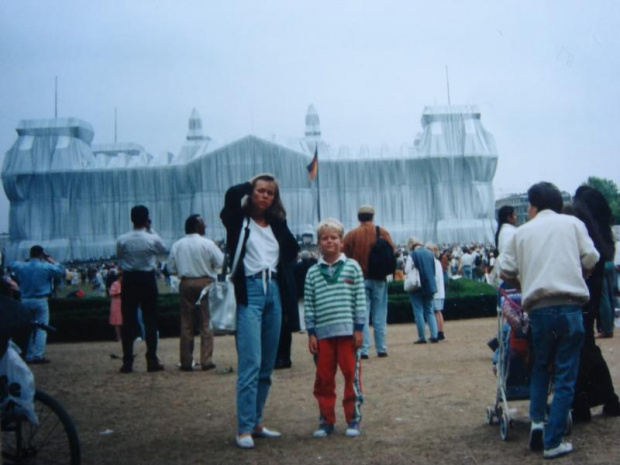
point(465, 298)
point(86, 319)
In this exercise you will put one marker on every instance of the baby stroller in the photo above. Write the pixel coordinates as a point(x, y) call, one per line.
point(512, 361)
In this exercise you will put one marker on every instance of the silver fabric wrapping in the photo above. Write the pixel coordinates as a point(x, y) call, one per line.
point(74, 198)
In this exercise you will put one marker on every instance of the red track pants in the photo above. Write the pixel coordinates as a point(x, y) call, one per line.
point(332, 353)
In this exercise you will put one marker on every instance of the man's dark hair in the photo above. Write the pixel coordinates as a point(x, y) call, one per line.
point(363, 217)
point(36, 251)
point(545, 196)
point(191, 223)
point(139, 215)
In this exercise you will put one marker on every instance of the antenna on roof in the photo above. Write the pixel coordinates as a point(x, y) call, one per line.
point(55, 97)
point(448, 84)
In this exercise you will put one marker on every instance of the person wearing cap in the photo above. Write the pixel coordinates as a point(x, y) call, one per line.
point(137, 251)
point(195, 259)
point(356, 245)
point(36, 277)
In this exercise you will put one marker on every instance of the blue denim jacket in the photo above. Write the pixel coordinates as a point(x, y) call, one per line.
point(35, 277)
point(425, 263)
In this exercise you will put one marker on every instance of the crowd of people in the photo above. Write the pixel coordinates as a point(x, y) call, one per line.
point(558, 263)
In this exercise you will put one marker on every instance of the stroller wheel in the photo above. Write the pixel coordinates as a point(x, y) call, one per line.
point(504, 425)
point(490, 415)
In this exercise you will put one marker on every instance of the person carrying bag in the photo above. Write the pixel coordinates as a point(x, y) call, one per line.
point(221, 294)
point(264, 287)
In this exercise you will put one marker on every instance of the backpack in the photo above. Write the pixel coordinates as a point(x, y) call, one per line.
point(381, 260)
point(478, 260)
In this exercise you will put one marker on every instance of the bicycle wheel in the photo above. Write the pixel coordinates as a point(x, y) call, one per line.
point(53, 441)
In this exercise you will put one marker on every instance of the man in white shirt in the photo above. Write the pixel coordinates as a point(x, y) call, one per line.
point(549, 255)
point(467, 264)
point(137, 251)
point(195, 259)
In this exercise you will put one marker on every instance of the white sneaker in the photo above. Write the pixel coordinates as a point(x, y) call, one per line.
point(353, 430)
point(266, 433)
point(323, 431)
point(537, 430)
point(245, 442)
point(563, 449)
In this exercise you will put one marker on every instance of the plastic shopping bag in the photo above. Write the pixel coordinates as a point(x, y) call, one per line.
point(17, 384)
point(223, 307)
point(222, 303)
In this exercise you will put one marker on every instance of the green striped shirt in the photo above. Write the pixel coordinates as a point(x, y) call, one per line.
point(335, 299)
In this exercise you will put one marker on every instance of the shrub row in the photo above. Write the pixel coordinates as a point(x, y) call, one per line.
point(464, 299)
point(87, 319)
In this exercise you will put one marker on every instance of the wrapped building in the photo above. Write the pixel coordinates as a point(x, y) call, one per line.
point(74, 197)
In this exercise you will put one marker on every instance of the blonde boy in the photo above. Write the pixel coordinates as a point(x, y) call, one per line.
point(335, 310)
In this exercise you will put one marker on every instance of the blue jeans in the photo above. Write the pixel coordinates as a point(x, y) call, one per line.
point(423, 309)
point(467, 272)
point(258, 333)
point(557, 336)
point(376, 303)
point(39, 311)
point(606, 309)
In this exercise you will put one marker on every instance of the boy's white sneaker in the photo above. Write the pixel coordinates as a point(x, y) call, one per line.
point(563, 449)
point(353, 430)
point(323, 431)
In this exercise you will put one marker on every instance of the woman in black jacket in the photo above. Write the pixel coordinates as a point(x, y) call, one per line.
point(265, 290)
point(594, 385)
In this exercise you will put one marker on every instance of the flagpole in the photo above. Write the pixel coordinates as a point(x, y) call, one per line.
point(318, 177)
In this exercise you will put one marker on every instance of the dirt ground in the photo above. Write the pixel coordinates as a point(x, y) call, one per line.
point(423, 404)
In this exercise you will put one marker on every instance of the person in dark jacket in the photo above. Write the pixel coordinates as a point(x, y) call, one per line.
point(594, 385)
point(265, 292)
point(283, 360)
point(422, 300)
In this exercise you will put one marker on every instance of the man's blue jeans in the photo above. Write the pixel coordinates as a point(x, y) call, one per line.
point(258, 334)
point(39, 311)
point(557, 336)
point(423, 309)
point(467, 272)
point(376, 303)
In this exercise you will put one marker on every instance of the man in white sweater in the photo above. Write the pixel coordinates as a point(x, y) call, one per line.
point(195, 260)
point(548, 257)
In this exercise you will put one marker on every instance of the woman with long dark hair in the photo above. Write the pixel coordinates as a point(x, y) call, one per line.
point(506, 221)
point(594, 385)
point(264, 288)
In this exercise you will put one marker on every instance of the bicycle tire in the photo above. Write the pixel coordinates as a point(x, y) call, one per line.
point(54, 440)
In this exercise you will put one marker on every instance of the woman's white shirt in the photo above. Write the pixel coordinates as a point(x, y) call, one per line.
point(441, 290)
point(262, 250)
point(505, 235)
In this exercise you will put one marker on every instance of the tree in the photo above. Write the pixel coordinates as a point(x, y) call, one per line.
point(610, 191)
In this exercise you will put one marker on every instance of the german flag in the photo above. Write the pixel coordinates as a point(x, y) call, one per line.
point(313, 167)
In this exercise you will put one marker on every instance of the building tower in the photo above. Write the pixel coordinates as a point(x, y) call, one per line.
point(313, 125)
point(195, 127)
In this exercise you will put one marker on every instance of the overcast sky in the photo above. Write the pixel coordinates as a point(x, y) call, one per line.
point(545, 74)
